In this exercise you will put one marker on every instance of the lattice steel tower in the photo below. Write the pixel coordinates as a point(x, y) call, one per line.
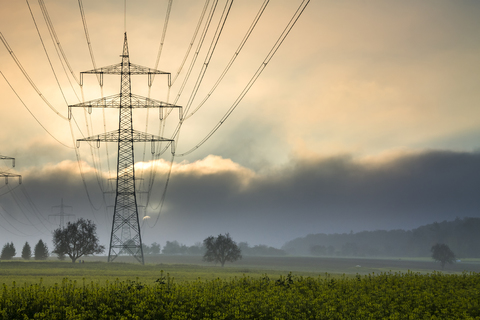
point(62, 214)
point(125, 236)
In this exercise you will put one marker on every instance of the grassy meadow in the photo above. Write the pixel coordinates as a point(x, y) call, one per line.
point(190, 268)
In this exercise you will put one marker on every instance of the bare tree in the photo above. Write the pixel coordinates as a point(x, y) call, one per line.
point(77, 239)
point(221, 249)
point(442, 253)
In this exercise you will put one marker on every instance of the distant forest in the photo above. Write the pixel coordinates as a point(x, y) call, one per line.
point(461, 235)
point(174, 247)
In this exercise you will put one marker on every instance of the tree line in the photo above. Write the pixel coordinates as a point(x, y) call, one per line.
point(40, 251)
point(461, 235)
point(80, 238)
point(199, 248)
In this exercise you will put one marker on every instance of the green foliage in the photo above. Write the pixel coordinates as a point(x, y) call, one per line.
point(173, 247)
point(260, 250)
point(442, 253)
point(8, 251)
point(221, 249)
point(77, 239)
point(41, 251)
point(383, 296)
point(26, 251)
point(151, 250)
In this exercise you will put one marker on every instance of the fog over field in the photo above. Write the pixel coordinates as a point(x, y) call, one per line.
point(366, 118)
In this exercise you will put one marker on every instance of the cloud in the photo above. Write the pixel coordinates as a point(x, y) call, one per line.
point(313, 194)
point(333, 194)
point(354, 79)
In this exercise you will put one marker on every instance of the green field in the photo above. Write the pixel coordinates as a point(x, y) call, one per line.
point(188, 268)
point(184, 287)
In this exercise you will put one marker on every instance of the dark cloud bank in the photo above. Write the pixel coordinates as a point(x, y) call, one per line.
point(327, 195)
point(323, 195)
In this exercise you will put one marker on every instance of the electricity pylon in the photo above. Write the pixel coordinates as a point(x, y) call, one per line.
point(125, 236)
point(6, 175)
point(62, 213)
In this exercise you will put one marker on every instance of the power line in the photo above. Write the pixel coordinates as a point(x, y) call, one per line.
point(18, 203)
point(254, 78)
point(163, 122)
point(38, 121)
point(192, 41)
point(46, 53)
point(11, 225)
point(5, 43)
point(34, 208)
point(197, 51)
point(243, 93)
point(164, 32)
point(232, 60)
point(211, 50)
point(56, 41)
point(87, 36)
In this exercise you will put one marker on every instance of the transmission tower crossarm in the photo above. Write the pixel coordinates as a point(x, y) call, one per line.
point(11, 175)
point(137, 136)
point(135, 69)
point(117, 69)
point(7, 175)
point(8, 158)
point(114, 101)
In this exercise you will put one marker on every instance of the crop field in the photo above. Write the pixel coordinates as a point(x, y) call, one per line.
point(184, 287)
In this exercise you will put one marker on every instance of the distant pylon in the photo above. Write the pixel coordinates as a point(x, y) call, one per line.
point(7, 175)
point(125, 236)
point(62, 213)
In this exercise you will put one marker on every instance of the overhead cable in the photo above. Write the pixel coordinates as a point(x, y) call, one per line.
point(46, 53)
point(192, 41)
point(5, 43)
point(79, 161)
point(17, 201)
point(38, 121)
point(211, 50)
point(197, 51)
point(270, 55)
point(12, 226)
point(87, 36)
point(234, 57)
point(56, 40)
point(164, 32)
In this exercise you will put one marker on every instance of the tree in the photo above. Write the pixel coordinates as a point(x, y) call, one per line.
point(221, 249)
point(173, 247)
point(150, 250)
point(77, 239)
point(155, 248)
point(197, 249)
point(41, 251)
point(442, 253)
point(26, 251)
point(8, 251)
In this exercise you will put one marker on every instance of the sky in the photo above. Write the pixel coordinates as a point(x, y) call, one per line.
point(366, 117)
